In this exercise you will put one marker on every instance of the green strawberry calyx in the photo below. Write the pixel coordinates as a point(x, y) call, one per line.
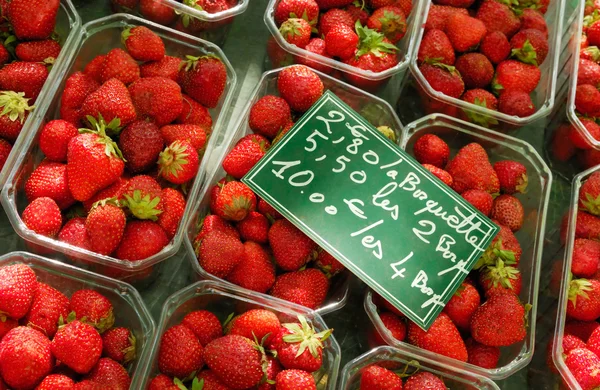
point(579, 288)
point(192, 61)
point(591, 18)
point(501, 275)
point(126, 34)
point(392, 23)
point(410, 368)
point(449, 68)
point(387, 132)
point(492, 253)
point(591, 204)
point(291, 28)
point(99, 128)
point(237, 208)
point(371, 41)
point(522, 183)
point(526, 53)
point(14, 105)
point(593, 52)
point(187, 18)
point(173, 158)
point(142, 206)
point(130, 352)
point(359, 4)
point(305, 334)
point(197, 384)
point(478, 118)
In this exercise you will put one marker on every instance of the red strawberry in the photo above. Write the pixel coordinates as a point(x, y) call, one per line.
point(306, 9)
point(394, 325)
point(54, 139)
point(435, 46)
point(328, 264)
point(245, 154)
point(209, 380)
point(141, 239)
point(156, 99)
point(513, 75)
point(512, 176)
point(587, 100)
point(505, 246)
point(94, 68)
point(157, 11)
point(499, 278)
point(439, 15)
point(529, 46)
point(267, 210)
point(194, 134)
point(375, 377)
point(194, 113)
point(584, 365)
point(167, 67)
point(180, 353)
point(531, 18)
point(269, 115)
point(49, 180)
point(462, 305)
point(296, 31)
point(78, 346)
point(173, 207)
point(471, 169)
point(588, 72)
point(585, 257)
point(277, 55)
point(18, 286)
point(562, 146)
point(307, 288)
point(273, 368)
point(29, 25)
point(301, 347)
point(481, 200)
point(48, 307)
point(508, 210)
point(482, 355)
point(517, 103)
point(121, 66)
point(439, 173)
point(464, 32)
point(495, 47)
point(500, 321)
point(214, 222)
point(316, 46)
point(105, 225)
point(94, 307)
point(257, 324)
point(291, 248)
point(341, 41)
point(589, 194)
point(179, 162)
point(424, 380)
point(588, 53)
point(390, 21)
point(256, 272)
point(581, 329)
point(235, 360)
point(110, 374)
point(376, 4)
point(56, 381)
point(115, 191)
point(26, 77)
point(476, 70)
point(205, 325)
point(332, 18)
point(300, 87)
point(25, 357)
point(444, 79)
point(74, 233)
point(431, 149)
point(233, 201)
point(442, 337)
point(498, 17)
point(204, 79)
point(112, 101)
point(77, 88)
point(583, 301)
point(593, 343)
point(593, 33)
point(7, 325)
point(15, 109)
point(255, 227)
point(5, 149)
point(43, 217)
point(119, 345)
point(38, 51)
point(143, 44)
point(295, 379)
point(141, 143)
point(327, 4)
point(219, 253)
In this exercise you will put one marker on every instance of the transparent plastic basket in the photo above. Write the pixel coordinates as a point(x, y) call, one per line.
point(68, 26)
point(453, 377)
point(377, 111)
point(542, 97)
point(128, 307)
point(218, 23)
point(224, 299)
point(98, 37)
point(457, 134)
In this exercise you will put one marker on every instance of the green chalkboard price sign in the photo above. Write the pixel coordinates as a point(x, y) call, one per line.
point(373, 207)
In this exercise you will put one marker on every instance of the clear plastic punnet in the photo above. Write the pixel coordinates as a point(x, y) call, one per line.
point(99, 37)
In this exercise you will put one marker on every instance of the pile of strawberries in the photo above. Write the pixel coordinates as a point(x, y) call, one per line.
point(49, 342)
point(251, 350)
point(468, 329)
point(116, 186)
point(485, 53)
point(26, 55)
point(237, 240)
point(362, 35)
point(380, 376)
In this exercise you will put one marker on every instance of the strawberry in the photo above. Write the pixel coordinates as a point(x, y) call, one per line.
point(26, 77)
point(110, 374)
point(15, 109)
point(443, 78)
point(244, 155)
point(141, 239)
point(204, 79)
point(7, 325)
point(256, 272)
point(235, 360)
point(482, 355)
point(328, 264)
point(505, 246)
point(291, 248)
point(517, 103)
point(167, 67)
point(439, 173)
point(269, 115)
point(589, 194)
point(94, 307)
point(38, 51)
point(112, 101)
point(593, 33)
point(584, 365)
point(442, 337)
point(94, 68)
point(390, 21)
point(277, 55)
point(529, 46)
point(25, 357)
point(55, 381)
point(258, 324)
point(77, 88)
point(54, 139)
point(219, 253)
point(296, 31)
point(495, 47)
point(481, 200)
point(471, 169)
point(588, 72)
point(464, 32)
point(332, 18)
point(209, 380)
point(587, 100)
point(341, 41)
point(593, 343)
point(205, 325)
point(142, 197)
point(431, 149)
point(173, 207)
point(424, 380)
point(119, 345)
point(591, 53)
point(476, 70)
point(300, 87)
point(439, 14)
point(87, 384)
point(49, 180)
point(179, 162)
point(214, 222)
point(533, 19)
point(295, 379)
point(255, 227)
point(32, 26)
point(562, 146)
point(394, 325)
point(143, 44)
point(5, 149)
point(156, 99)
point(74, 233)
point(498, 17)
point(500, 321)
point(194, 113)
point(105, 225)
point(588, 226)
point(508, 210)
point(48, 307)
point(306, 9)
point(360, 13)
point(121, 66)
point(273, 368)
point(462, 305)
point(500, 278)
point(327, 4)
point(163, 382)
point(115, 191)
point(581, 329)
point(435, 46)
point(307, 288)
point(43, 216)
point(583, 303)
point(140, 143)
point(18, 286)
point(157, 11)
point(194, 134)
point(180, 353)
point(375, 377)
point(267, 210)
point(512, 176)
point(78, 346)
point(513, 75)
point(233, 201)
